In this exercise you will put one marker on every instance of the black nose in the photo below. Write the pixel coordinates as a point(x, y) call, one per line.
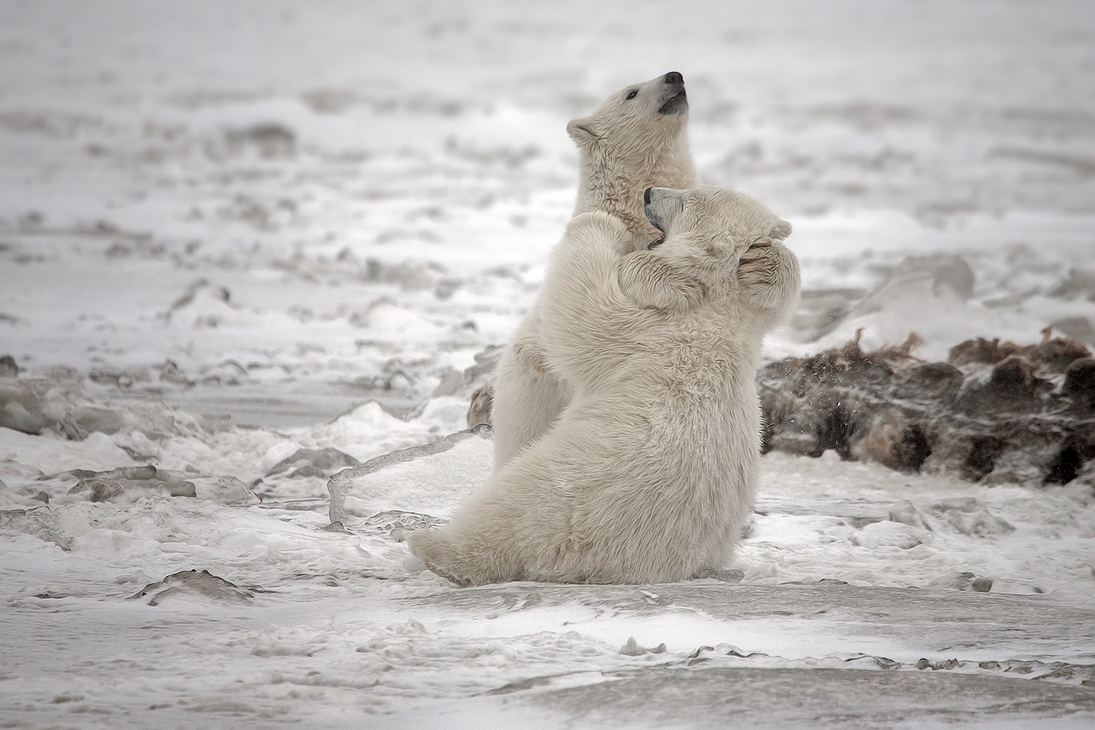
point(646, 195)
point(674, 78)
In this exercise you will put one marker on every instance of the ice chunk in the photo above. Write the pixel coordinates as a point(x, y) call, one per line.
point(14, 415)
point(968, 516)
point(906, 513)
point(57, 402)
point(887, 534)
point(396, 522)
point(312, 463)
point(937, 271)
point(194, 583)
point(632, 648)
point(267, 140)
point(226, 490)
point(39, 521)
point(732, 575)
point(963, 581)
point(128, 484)
point(433, 478)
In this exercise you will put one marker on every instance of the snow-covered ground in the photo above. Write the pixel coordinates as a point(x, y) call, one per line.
point(241, 242)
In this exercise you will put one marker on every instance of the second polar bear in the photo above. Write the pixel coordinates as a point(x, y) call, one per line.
point(636, 139)
point(649, 473)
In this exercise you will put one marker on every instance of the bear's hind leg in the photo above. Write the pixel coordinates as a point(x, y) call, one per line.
point(431, 547)
point(466, 560)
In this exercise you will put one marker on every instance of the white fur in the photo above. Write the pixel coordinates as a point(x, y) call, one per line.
point(626, 146)
point(650, 471)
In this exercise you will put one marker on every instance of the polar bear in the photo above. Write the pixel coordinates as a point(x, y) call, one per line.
point(649, 473)
point(634, 140)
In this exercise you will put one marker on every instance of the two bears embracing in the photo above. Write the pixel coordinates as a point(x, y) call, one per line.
point(627, 424)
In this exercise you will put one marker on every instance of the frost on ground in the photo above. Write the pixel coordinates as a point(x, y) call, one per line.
point(251, 251)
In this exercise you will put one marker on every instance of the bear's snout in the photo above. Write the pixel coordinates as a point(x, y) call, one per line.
point(674, 97)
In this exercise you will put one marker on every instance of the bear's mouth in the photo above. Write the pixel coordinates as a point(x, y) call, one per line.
point(654, 219)
point(675, 104)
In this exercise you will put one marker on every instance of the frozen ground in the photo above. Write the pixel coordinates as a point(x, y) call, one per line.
point(230, 232)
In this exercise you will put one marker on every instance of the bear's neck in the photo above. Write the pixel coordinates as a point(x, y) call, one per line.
point(610, 187)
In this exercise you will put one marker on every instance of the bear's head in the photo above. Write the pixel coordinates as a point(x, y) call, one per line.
point(705, 231)
point(635, 122)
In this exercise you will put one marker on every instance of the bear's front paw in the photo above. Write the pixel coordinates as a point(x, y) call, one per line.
point(651, 283)
point(529, 351)
point(482, 402)
point(768, 275)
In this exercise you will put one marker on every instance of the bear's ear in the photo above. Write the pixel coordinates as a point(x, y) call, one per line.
point(582, 131)
point(780, 230)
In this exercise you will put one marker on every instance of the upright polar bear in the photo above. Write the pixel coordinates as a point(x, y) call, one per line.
point(649, 473)
point(636, 139)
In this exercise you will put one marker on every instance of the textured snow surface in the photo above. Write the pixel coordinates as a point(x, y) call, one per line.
point(245, 247)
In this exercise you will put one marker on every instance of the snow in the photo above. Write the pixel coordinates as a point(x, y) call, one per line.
point(230, 232)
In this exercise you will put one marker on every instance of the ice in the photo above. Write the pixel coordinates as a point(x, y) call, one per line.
point(437, 477)
point(129, 484)
point(851, 698)
point(192, 582)
point(312, 462)
point(244, 246)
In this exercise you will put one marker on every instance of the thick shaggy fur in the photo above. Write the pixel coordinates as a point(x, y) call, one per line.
point(626, 146)
point(650, 471)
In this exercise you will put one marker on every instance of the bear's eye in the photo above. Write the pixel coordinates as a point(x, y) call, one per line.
point(655, 243)
point(631, 95)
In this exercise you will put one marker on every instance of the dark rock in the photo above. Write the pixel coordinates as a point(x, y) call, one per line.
point(8, 367)
point(834, 426)
point(976, 352)
point(1068, 462)
point(1005, 416)
point(981, 585)
point(1014, 374)
point(894, 442)
point(981, 458)
point(1012, 385)
point(932, 380)
point(1056, 355)
point(1051, 355)
point(1079, 382)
